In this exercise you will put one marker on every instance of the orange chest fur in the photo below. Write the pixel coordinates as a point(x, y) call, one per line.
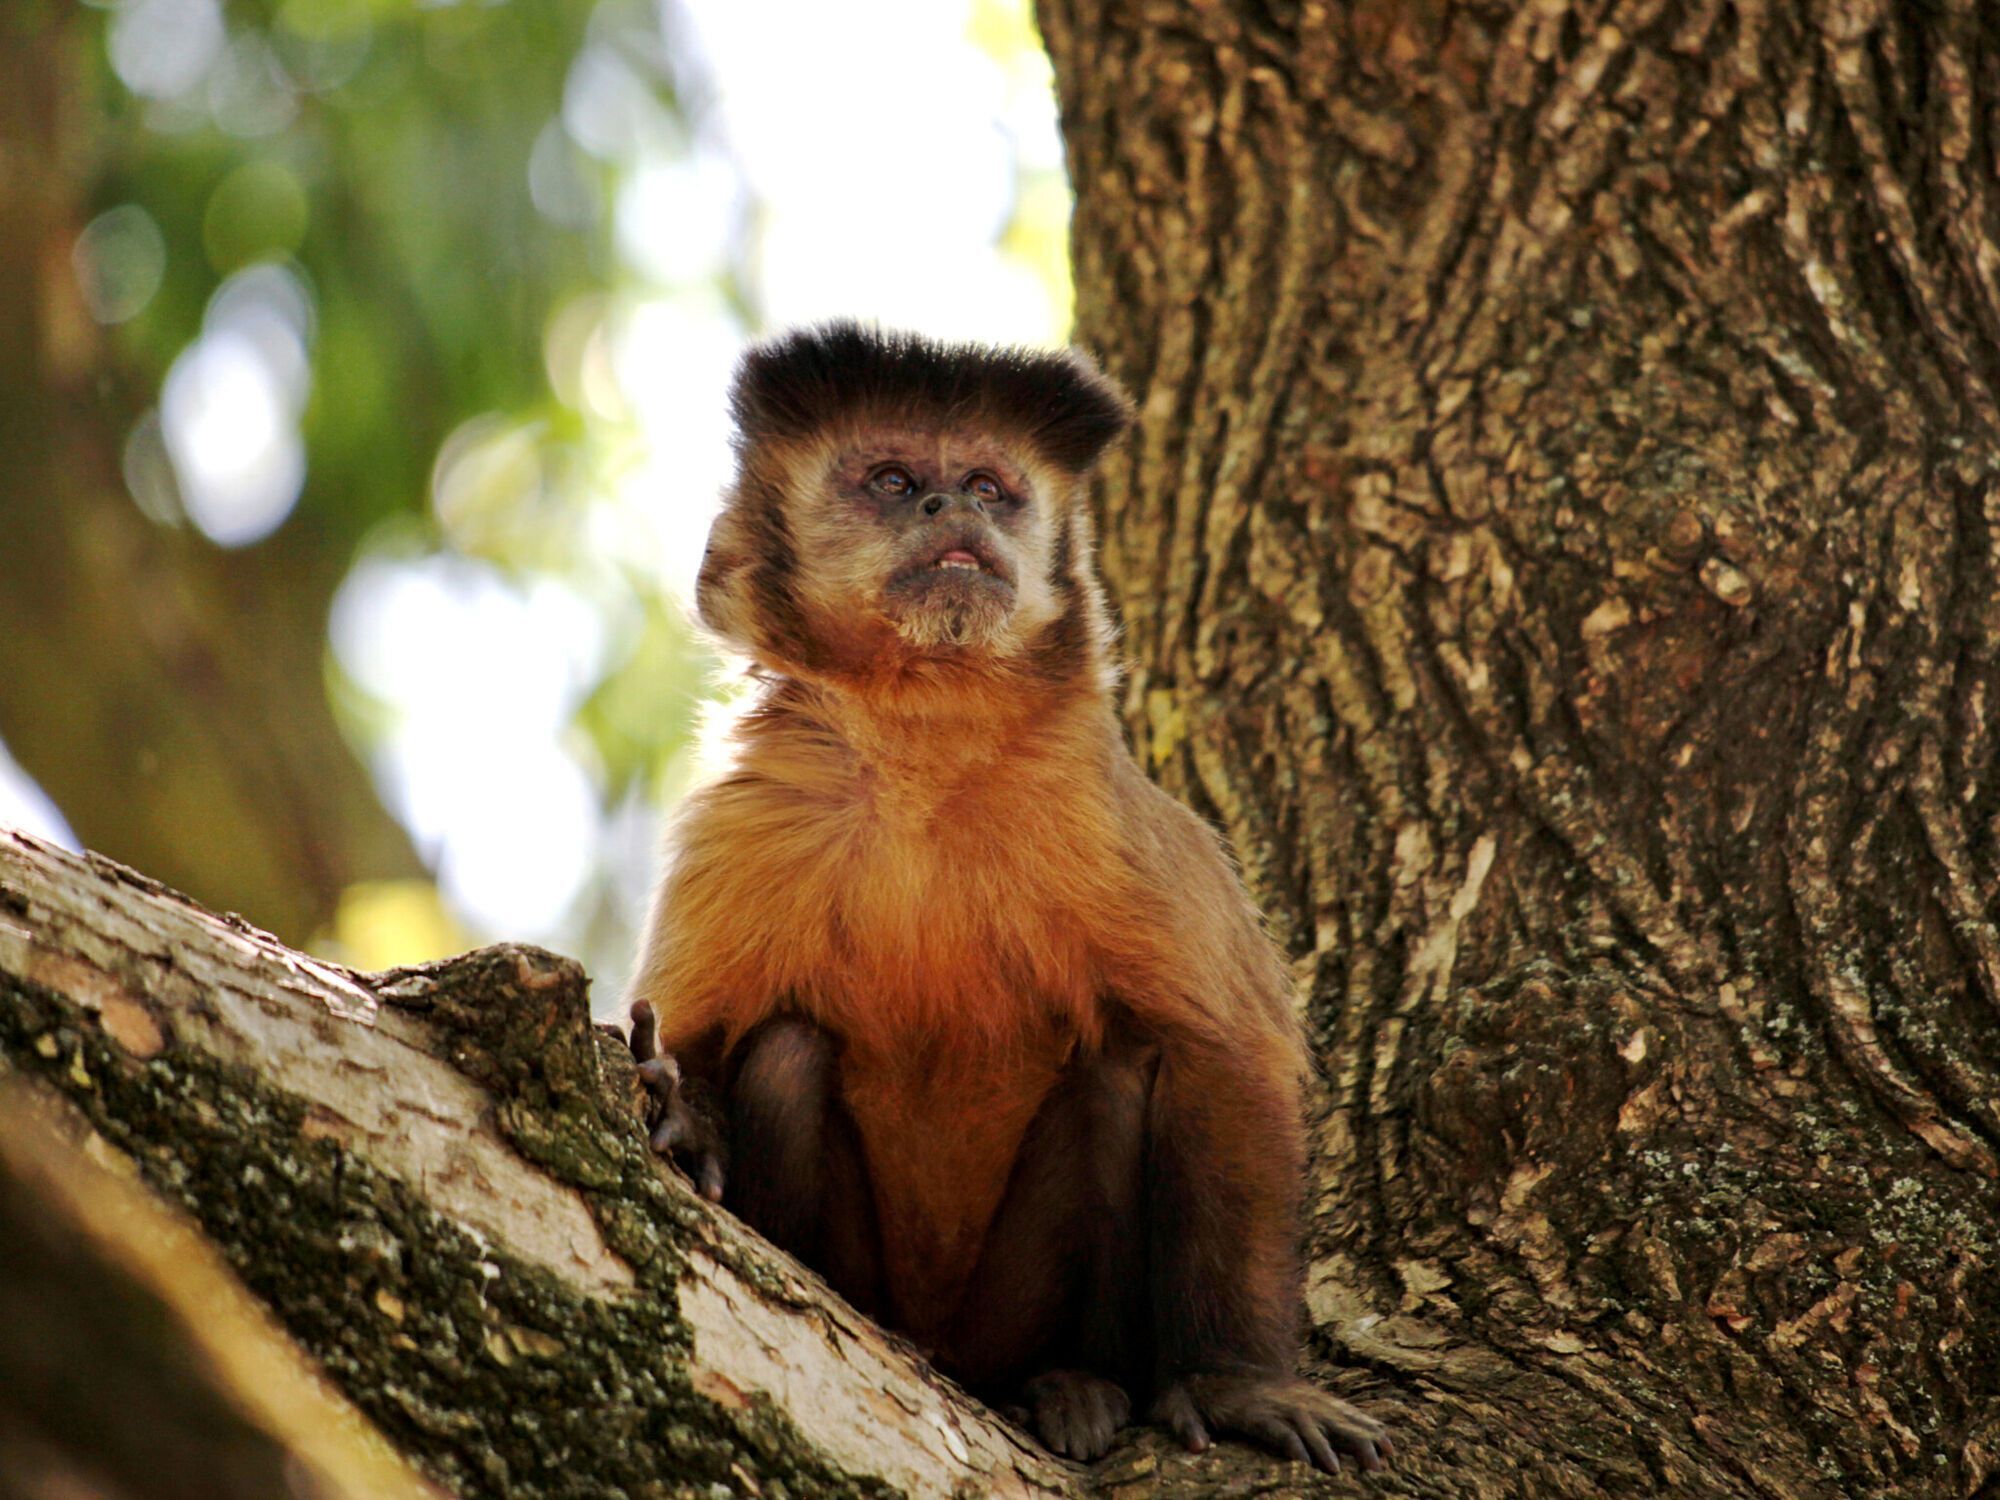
point(940, 1132)
point(956, 964)
point(919, 920)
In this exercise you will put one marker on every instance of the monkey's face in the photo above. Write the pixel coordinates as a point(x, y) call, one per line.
point(897, 497)
point(947, 535)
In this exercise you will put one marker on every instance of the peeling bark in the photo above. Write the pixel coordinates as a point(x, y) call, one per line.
point(437, 1181)
point(1563, 552)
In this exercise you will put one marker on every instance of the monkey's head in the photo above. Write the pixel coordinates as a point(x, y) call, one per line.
point(898, 499)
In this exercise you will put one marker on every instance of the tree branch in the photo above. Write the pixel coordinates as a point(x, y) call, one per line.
point(437, 1180)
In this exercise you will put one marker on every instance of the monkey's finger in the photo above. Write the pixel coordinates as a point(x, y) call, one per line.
point(1176, 1412)
point(1101, 1428)
point(1354, 1422)
point(1082, 1433)
point(1051, 1416)
point(645, 1031)
point(1120, 1405)
point(1114, 1410)
point(1280, 1436)
point(1352, 1434)
point(1056, 1430)
point(1086, 1422)
point(667, 1134)
point(1323, 1456)
point(709, 1177)
point(661, 1075)
point(1356, 1432)
point(1087, 1436)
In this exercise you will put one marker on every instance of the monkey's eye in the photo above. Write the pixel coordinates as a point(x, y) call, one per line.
point(892, 479)
point(984, 486)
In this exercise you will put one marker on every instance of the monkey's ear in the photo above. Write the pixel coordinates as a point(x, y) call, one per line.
point(1083, 412)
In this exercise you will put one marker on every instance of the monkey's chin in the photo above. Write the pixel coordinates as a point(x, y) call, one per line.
point(954, 618)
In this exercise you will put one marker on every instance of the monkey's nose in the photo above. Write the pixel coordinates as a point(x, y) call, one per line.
point(934, 504)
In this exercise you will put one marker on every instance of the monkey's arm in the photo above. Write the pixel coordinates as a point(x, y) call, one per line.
point(703, 979)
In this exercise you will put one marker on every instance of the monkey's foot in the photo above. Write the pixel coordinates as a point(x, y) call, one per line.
point(1289, 1416)
point(679, 1127)
point(1075, 1413)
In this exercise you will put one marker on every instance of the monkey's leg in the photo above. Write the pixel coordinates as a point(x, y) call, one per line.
point(1059, 1291)
point(797, 1172)
point(1222, 1182)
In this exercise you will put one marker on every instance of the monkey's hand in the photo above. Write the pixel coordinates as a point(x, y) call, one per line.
point(1287, 1415)
point(1075, 1413)
point(683, 1117)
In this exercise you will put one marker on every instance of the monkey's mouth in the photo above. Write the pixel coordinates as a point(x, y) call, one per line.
point(955, 557)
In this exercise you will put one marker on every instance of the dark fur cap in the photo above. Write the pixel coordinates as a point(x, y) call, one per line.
point(1056, 400)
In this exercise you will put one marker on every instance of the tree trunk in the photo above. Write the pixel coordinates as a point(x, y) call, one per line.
point(438, 1181)
point(1563, 552)
point(132, 686)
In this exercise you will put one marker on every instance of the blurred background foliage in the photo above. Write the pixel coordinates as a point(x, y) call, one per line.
point(361, 400)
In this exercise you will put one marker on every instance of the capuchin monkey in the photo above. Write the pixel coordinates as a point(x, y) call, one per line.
point(939, 993)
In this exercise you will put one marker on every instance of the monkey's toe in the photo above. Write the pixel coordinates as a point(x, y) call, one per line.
point(1291, 1417)
point(1176, 1411)
point(1077, 1414)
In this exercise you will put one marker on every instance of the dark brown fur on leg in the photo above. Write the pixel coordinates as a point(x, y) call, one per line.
point(1221, 1161)
point(1059, 1290)
point(800, 1179)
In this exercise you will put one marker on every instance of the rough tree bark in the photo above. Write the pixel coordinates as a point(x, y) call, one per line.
point(132, 1366)
point(1563, 551)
